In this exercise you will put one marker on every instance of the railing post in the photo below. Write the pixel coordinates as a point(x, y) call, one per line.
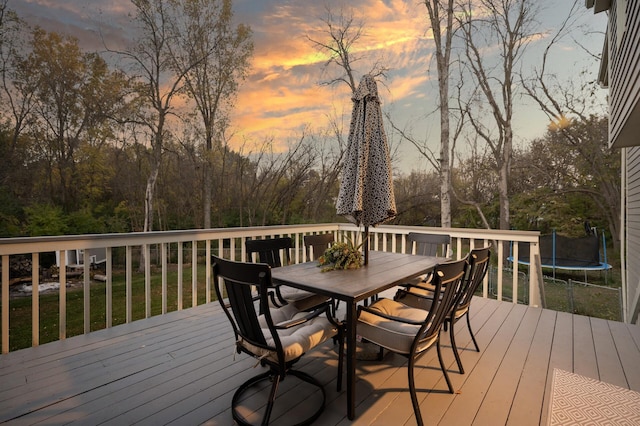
point(535, 275)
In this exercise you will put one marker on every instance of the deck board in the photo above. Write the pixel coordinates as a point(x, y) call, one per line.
point(627, 348)
point(609, 365)
point(587, 363)
point(527, 403)
point(497, 402)
point(466, 405)
point(180, 368)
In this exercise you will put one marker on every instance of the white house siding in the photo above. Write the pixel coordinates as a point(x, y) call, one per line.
point(633, 233)
point(624, 73)
point(623, 78)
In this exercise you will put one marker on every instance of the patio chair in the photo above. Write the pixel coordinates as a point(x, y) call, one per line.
point(427, 245)
point(271, 252)
point(317, 244)
point(409, 331)
point(419, 297)
point(277, 337)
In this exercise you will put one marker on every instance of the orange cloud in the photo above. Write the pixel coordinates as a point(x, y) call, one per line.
point(282, 94)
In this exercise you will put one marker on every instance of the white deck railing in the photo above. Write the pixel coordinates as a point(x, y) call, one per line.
point(228, 243)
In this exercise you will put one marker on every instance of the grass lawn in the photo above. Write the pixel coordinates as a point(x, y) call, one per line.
point(567, 292)
point(20, 307)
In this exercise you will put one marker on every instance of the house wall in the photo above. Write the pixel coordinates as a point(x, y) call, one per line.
point(624, 73)
point(633, 234)
point(622, 61)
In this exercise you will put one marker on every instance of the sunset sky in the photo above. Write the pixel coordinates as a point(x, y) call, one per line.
point(282, 94)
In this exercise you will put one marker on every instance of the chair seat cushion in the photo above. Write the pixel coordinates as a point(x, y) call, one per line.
point(291, 294)
point(421, 280)
point(459, 313)
point(421, 303)
point(393, 335)
point(302, 300)
point(295, 340)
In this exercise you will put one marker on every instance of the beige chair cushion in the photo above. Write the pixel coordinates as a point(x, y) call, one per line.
point(418, 302)
point(393, 335)
point(295, 340)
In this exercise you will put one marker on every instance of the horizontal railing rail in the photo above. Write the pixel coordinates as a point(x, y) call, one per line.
point(200, 245)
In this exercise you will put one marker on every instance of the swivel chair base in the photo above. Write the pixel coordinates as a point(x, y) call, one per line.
point(274, 378)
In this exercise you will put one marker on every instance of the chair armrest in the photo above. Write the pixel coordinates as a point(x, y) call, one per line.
point(389, 317)
point(276, 297)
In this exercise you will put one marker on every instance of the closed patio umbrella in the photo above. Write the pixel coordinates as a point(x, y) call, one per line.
point(366, 195)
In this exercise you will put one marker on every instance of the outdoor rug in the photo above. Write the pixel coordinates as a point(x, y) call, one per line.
point(579, 400)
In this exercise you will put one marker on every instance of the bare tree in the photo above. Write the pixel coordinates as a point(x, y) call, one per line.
point(157, 85)
point(504, 27)
point(575, 114)
point(214, 57)
point(18, 85)
point(343, 32)
point(441, 15)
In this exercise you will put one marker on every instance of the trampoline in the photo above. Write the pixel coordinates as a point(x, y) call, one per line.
point(569, 254)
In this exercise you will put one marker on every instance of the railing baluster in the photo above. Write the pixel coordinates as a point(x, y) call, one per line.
point(5, 304)
point(128, 280)
point(514, 283)
point(87, 291)
point(207, 272)
point(180, 275)
point(500, 261)
point(62, 295)
point(194, 273)
point(147, 280)
point(163, 257)
point(109, 286)
point(35, 299)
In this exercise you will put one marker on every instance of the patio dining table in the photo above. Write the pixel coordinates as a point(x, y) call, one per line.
point(384, 270)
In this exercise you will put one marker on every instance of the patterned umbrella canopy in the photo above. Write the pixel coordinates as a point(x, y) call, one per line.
point(366, 192)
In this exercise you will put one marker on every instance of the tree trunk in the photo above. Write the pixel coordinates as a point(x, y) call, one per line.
point(206, 196)
point(445, 162)
point(149, 196)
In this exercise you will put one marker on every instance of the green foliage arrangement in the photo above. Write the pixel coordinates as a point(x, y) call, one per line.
point(341, 255)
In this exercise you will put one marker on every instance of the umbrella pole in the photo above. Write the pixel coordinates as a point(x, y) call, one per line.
point(366, 245)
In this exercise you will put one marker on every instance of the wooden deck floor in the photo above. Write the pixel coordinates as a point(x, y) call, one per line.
point(180, 368)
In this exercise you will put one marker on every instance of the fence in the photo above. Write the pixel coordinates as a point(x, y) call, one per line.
point(577, 297)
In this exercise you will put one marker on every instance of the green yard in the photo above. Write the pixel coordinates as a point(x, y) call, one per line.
point(21, 310)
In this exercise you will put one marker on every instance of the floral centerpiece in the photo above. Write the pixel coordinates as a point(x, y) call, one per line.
point(341, 255)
